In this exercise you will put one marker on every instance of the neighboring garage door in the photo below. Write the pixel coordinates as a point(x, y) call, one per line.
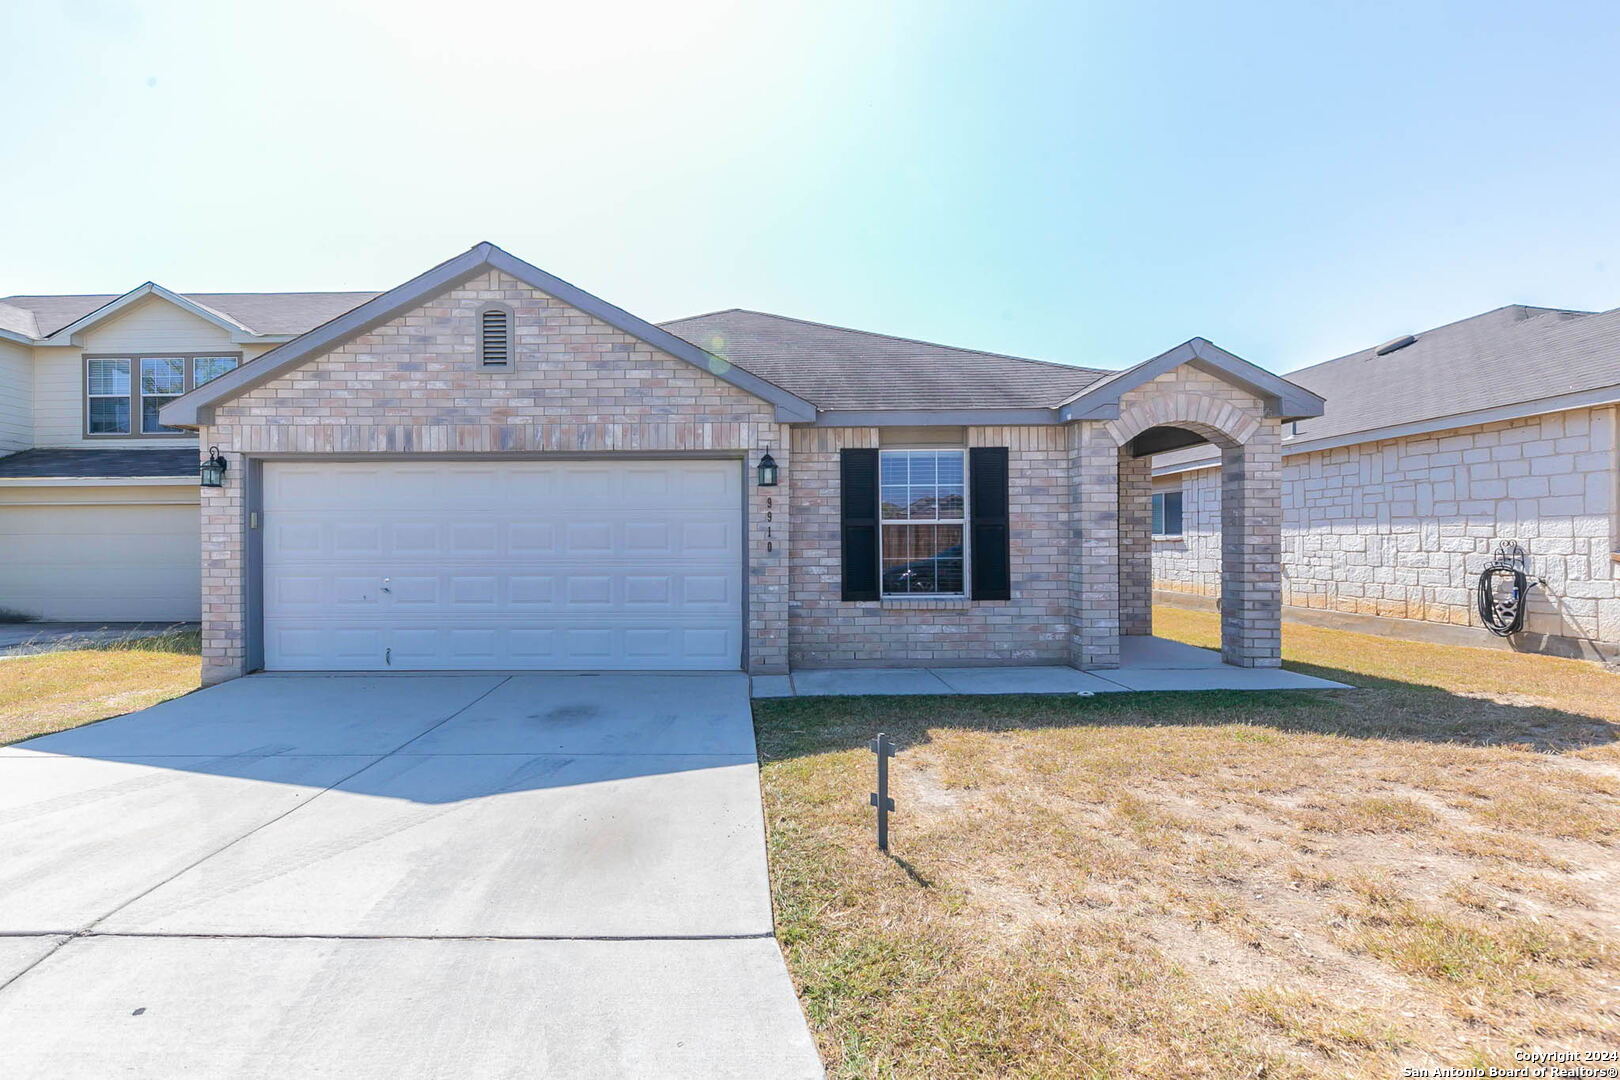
point(423, 566)
point(100, 554)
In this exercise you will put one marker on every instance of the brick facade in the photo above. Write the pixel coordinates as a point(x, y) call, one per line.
point(410, 386)
point(1029, 629)
point(578, 385)
point(1401, 528)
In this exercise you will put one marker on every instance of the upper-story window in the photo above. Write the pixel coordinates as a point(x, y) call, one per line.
point(922, 541)
point(122, 394)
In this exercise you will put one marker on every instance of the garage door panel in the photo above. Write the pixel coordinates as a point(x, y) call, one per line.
point(518, 565)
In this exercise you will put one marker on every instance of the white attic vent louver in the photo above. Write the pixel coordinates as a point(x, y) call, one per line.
point(1394, 343)
point(495, 337)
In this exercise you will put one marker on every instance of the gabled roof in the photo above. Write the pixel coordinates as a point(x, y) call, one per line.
point(1284, 399)
point(1507, 362)
point(843, 369)
point(262, 314)
point(69, 334)
point(195, 408)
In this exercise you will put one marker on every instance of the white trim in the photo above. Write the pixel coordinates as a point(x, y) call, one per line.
point(1579, 399)
point(97, 481)
point(71, 334)
point(883, 524)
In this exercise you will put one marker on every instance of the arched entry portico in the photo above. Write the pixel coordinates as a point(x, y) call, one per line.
point(1114, 517)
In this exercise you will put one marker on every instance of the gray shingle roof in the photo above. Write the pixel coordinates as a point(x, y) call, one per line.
point(100, 463)
point(839, 368)
point(1501, 357)
point(263, 313)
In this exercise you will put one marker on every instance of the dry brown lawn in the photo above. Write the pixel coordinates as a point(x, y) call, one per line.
point(1419, 872)
point(55, 690)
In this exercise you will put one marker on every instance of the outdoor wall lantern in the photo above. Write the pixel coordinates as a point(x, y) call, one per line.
point(767, 470)
point(213, 470)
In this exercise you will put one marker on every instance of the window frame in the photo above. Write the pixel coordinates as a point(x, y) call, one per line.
point(135, 360)
point(126, 396)
point(1161, 514)
point(964, 523)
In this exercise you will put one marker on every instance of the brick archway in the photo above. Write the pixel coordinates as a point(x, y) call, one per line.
point(1115, 518)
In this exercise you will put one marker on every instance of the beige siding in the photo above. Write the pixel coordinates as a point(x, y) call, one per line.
point(152, 326)
point(16, 397)
point(92, 554)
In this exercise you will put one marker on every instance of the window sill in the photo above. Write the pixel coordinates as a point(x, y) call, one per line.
point(1168, 538)
point(927, 603)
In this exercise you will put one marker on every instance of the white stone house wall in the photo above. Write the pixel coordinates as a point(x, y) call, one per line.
point(1401, 528)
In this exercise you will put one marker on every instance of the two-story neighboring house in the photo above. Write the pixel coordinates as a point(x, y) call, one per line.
point(98, 500)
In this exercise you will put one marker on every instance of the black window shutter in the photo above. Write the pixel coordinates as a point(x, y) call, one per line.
point(858, 487)
point(987, 505)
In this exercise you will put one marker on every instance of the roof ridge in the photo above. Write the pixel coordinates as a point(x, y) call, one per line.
point(1419, 335)
point(908, 340)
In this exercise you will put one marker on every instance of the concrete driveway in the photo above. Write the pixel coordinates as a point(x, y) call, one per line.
point(397, 876)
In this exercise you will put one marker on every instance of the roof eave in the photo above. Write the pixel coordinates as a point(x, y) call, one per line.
point(1283, 400)
point(1011, 417)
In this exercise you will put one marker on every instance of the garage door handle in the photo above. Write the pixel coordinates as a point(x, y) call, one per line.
point(385, 585)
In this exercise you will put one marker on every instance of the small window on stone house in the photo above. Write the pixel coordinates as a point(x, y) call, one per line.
point(1167, 513)
point(495, 336)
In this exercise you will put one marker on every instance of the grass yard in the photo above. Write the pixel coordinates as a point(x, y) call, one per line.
point(87, 681)
point(1421, 872)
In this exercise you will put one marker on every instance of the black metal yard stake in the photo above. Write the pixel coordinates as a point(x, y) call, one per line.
point(884, 749)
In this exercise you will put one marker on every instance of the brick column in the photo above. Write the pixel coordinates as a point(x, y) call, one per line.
point(1251, 550)
point(768, 556)
point(1094, 551)
point(1135, 544)
point(224, 637)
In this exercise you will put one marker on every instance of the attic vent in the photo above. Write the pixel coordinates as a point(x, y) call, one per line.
point(1395, 343)
point(495, 336)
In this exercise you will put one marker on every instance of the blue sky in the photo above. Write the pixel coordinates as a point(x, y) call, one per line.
point(1090, 183)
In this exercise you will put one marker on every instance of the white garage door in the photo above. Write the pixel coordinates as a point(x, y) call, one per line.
point(83, 555)
point(516, 564)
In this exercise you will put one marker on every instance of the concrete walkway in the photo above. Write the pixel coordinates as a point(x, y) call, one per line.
point(1146, 663)
point(370, 877)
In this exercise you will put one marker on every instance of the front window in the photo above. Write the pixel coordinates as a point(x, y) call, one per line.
point(124, 393)
point(1167, 513)
point(924, 507)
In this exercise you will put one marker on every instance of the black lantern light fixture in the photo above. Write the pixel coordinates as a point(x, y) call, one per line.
point(213, 470)
point(767, 470)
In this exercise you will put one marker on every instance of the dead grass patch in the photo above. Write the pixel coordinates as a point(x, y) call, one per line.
point(1320, 884)
point(53, 691)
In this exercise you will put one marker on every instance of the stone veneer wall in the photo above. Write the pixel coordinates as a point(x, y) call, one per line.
point(1401, 528)
point(1031, 628)
point(413, 386)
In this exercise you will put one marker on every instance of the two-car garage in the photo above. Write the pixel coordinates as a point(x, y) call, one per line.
point(495, 564)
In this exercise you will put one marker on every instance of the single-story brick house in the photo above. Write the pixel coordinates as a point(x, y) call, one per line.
point(1436, 449)
point(489, 468)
